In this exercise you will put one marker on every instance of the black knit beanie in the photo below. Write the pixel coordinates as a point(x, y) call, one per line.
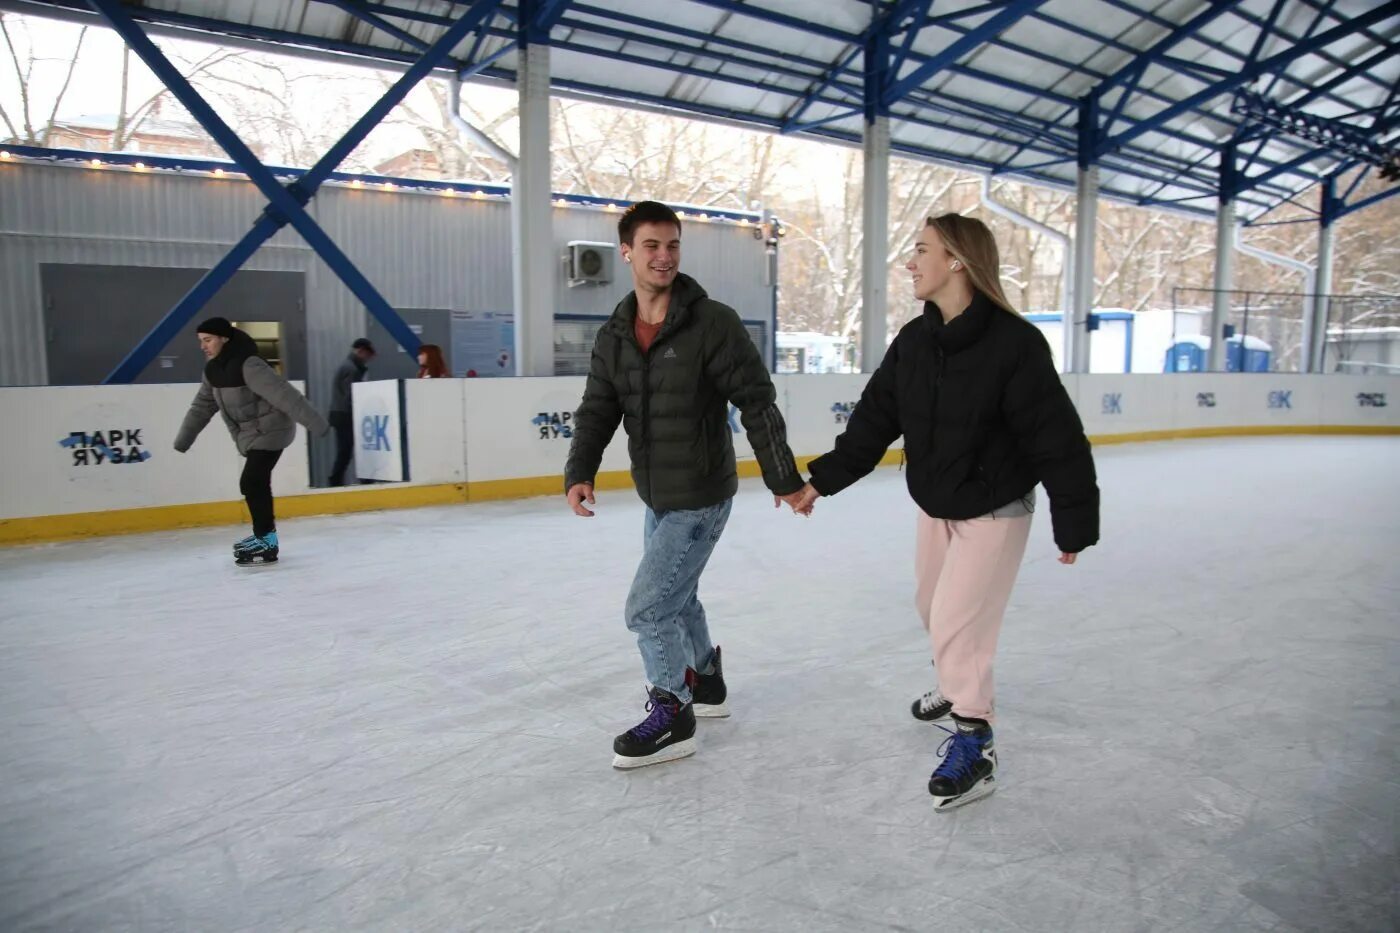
point(218, 326)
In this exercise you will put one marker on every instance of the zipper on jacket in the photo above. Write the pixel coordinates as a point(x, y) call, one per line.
point(646, 421)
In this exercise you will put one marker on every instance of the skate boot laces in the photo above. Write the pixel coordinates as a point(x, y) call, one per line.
point(658, 721)
point(960, 752)
point(931, 699)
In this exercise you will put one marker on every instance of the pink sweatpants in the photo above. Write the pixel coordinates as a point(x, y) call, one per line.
point(965, 571)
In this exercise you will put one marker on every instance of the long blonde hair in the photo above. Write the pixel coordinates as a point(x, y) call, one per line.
point(971, 243)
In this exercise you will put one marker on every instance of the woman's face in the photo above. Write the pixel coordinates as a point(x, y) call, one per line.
point(929, 266)
point(422, 358)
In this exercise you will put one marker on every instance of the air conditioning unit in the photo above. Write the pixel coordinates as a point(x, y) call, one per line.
point(590, 263)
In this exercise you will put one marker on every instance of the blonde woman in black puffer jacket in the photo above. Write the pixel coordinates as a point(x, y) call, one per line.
point(261, 411)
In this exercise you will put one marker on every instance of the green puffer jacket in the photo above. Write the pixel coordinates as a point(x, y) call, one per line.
point(673, 401)
point(261, 415)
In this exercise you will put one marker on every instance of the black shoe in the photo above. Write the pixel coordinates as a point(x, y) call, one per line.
point(931, 707)
point(968, 769)
point(666, 734)
point(709, 693)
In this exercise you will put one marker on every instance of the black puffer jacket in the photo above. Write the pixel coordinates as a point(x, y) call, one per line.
point(673, 401)
point(984, 418)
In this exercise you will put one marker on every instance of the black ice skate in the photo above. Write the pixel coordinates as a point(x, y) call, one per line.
point(666, 734)
point(263, 550)
point(968, 769)
point(709, 692)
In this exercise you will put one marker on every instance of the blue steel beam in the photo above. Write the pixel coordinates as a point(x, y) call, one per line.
point(268, 224)
point(1266, 66)
point(919, 10)
point(1241, 12)
point(790, 124)
point(1327, 9)
point(278, 37)
point(417, 16)
point(364, 15)
point(287, 202)
point(993, 26)
point(945, 157)
point(1216, 46)
point(942, 19)
point(1078, 68)
point(1131, 73)
point(780, 19)
point(1389, 192)
point(201, 27)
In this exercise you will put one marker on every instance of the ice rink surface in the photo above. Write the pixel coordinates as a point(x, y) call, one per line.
point(406, 724)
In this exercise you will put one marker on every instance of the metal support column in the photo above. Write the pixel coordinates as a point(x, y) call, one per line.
point(1321, 306)
point(875, 212)
point(1224, 259)
point(1085, 221)
point(532, 232)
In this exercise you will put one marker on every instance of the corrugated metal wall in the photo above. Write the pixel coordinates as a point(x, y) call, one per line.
point(420, 250)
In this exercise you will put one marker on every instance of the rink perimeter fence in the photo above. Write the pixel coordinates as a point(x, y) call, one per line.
point(97, 460)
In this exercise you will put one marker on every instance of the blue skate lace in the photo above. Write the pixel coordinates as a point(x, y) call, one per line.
point(960, 752)
point(656, 723)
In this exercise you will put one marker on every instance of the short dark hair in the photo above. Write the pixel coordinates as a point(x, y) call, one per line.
point(644, 212)
point(362, 344)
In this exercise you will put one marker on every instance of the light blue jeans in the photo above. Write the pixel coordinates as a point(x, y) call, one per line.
point(663, 608)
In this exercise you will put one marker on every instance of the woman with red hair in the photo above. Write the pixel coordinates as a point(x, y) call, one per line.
point(430, 362)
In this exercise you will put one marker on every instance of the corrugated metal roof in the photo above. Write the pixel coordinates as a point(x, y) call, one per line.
point(994, 86)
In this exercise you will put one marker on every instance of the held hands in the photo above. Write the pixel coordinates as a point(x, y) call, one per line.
point(1067, 559)
point(577, 495)
point(801, 502)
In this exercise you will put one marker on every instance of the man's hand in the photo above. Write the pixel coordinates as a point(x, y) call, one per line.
point(801, 502)
point(578, 494)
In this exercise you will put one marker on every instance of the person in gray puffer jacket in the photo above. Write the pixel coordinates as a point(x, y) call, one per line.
point(261, 411)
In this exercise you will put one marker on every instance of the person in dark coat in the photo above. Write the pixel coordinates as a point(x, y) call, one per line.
point(351, 370)
point(972, 388)
point(666, 366)
point(261, 411)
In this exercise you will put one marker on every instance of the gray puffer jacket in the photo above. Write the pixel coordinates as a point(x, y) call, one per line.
point(261, 415)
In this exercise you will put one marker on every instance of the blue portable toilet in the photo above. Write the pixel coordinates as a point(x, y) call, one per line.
point(1247, 355)
point(1188, 355)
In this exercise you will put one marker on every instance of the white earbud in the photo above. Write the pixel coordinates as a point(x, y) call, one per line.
point(627, 258)
point(955, 266)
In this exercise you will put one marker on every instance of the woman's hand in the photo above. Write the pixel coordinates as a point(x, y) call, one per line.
point(1067, 558)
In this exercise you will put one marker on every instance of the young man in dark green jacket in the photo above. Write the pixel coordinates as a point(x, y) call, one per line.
point(667, 365)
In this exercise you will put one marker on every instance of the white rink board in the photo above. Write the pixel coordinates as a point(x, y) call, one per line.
point(1124, 404)
point(437, 438)
point(816, 409)
point(478, 430)
point(43, 477)
point(522, 428)
point(378, 430)
point(1368, 400)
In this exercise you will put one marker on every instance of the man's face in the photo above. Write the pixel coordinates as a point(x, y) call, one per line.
point(211, 345)
point(364, 355)
point(655, 255)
